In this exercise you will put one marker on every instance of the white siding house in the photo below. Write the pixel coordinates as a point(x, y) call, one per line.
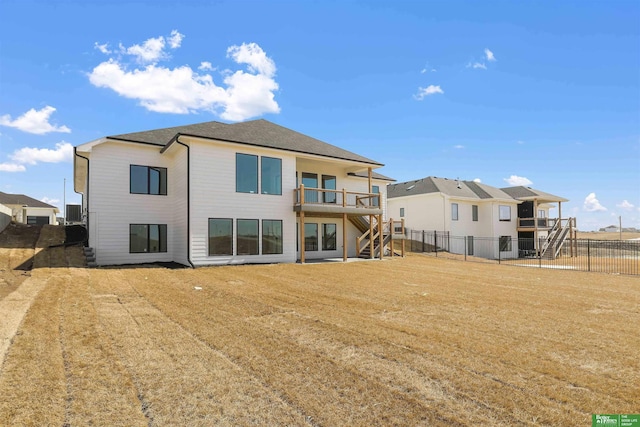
point(489, 216)
point(215, 193)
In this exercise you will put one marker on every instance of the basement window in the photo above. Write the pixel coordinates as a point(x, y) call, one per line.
point(147, 238)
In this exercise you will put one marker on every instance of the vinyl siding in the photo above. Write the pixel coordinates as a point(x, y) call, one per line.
point(213, 195)
point(113, 208)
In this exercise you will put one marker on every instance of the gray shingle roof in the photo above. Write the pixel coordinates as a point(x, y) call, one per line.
point(450, 187)
point(528, 193)
point(260, 133)
point(22, 200)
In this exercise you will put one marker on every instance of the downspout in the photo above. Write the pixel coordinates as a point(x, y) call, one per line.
point(188, 200)
point(75, 153)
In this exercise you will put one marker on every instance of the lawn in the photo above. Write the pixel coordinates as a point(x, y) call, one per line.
point(406, 341)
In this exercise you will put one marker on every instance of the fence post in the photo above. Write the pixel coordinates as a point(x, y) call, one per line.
point(465, 248)
point(435, 241)
point(423, 241)
point(588, 254)
point(498, 250)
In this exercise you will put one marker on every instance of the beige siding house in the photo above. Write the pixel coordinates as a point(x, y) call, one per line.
point(215, 193)
point(27, 210)
point(478, 211)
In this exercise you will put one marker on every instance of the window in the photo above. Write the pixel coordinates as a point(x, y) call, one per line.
point(247, 239)
point(376, 200)
point(454, 211)
point(401, 212)
point(246, 173)
point(328, 237)
point(505, 213)
point(474, 212)
point(541, 213)
point(271, 175)
point(147, 180)
point(271, 236)
point(310, 180)
point(311, 237)
point(328, 183)
point(505, 243)
point(220, 236)
point(469, 245)
point(147, 238)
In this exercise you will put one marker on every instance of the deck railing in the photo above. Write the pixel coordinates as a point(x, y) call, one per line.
point(542, 222)
point(344, 198)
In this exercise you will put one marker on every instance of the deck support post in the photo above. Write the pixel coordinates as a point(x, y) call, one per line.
point(380, 236)
point(391, 233)
point(344, 237)
point(371, 254)
point(301, 235)
point(402, 227)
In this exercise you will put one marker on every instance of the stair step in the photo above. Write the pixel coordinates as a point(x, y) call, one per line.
point(92, 264)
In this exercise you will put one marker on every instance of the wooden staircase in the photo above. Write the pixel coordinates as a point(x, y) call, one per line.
point(557, 236)
point(364, 242)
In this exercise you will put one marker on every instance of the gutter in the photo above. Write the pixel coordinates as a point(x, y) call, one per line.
point(176, 139)
point(75, 153)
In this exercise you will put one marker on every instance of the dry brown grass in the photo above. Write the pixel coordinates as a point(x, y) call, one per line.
point(413, 341)
point(602, 235)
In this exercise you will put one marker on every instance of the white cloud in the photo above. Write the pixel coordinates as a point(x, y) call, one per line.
point(31, 156)
point(489, 55)
point(175, 39)
point(520, 142)
point(182, 90)
point(11, 167)
point(426, 91)
point(459, 147)
point(477, 180)
point(49, 201)
point(33, 121)
point(477, 65)
point(625, 205)
point(104, 48)
point(591, 204)
point(516, 180)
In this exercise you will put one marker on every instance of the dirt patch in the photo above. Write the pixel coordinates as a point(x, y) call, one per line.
point(17, 248)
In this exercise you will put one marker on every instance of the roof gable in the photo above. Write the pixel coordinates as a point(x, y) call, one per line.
point(450, 187)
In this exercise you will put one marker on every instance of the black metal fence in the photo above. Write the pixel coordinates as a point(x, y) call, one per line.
point(605, 256)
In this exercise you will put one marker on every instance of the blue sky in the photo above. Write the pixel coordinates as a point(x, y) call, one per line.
point(541, 93)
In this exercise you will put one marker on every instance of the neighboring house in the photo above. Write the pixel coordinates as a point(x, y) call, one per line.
point(215, 193)
point(611, 229)
point(474, 210)
point(26, 210)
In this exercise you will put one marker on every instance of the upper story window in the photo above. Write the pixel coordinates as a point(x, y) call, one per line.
point(401, 212)
point(148, 180)
point(454, 211)
point(271, 175)
point(474, 212)
point(505, 213)
point(246, 173)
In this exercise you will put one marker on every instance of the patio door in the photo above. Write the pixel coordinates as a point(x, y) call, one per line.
point(310, 180)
